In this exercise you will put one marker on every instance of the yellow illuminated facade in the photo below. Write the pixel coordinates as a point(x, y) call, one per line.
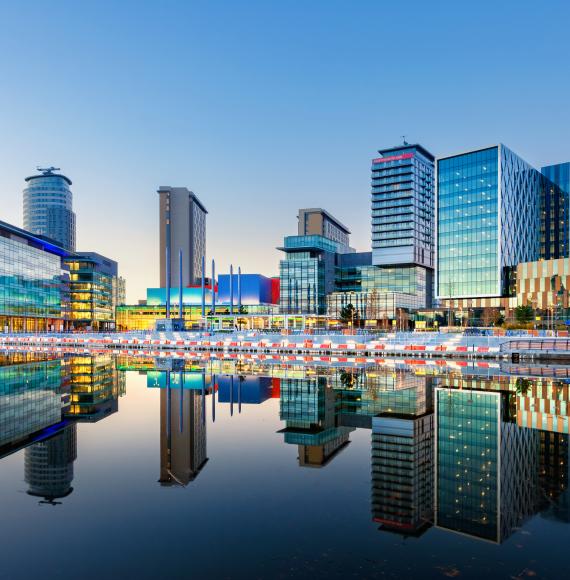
point(93, 291)
point(144, 317)
point(95, 386)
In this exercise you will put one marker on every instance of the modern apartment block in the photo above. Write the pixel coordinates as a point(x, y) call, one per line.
point(488, 216)
point(319, 222)
point(48, 207)
point(403, 206)
point(182, 227)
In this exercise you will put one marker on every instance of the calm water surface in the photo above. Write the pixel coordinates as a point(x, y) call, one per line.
point(142, 468)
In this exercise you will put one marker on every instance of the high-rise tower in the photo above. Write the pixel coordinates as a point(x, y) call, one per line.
point(403, 207)
point(48, 207)
point(182, 227)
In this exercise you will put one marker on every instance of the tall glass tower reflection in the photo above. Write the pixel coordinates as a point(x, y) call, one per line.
point(182, 432)
point(486, 467)
point(402, 455)
point(49, 465)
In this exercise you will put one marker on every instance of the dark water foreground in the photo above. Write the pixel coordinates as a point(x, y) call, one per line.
point(141, 468)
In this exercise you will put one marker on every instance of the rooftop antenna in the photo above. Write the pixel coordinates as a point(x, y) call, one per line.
point(404, 139)
point(47, 170)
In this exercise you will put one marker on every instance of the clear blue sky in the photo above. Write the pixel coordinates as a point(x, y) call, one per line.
point(262, 107)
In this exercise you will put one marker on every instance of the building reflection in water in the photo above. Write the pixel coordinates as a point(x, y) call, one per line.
point(49, 465)
point(308, 407)
point(182, 428)
point(402, 473)
point(486, 466)
point(464, 449)
point(41, 400)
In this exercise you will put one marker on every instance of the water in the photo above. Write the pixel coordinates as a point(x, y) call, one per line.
point(115, 467)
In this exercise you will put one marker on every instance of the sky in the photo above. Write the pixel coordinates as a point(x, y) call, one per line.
point(262, 107)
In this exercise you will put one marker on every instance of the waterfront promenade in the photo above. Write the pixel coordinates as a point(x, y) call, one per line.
point(323, 348)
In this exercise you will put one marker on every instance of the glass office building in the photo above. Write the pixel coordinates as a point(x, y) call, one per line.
point(48, 209)
point(33, 282)
point(403, 206)
point(555, 212)
point(307, 274)
point(93, 281)
point(378, 292)
point(355, 273)
point(488, 204)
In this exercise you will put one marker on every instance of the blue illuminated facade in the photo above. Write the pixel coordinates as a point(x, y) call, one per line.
point(488, 204)
point(34, 283)
point(190, 296)
point(248, 390)
point(33, 396)
point(252, 289)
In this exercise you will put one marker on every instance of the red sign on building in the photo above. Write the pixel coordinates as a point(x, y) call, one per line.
point(393, 158)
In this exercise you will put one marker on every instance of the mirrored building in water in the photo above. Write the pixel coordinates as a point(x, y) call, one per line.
point(183, 451)
point(308, 407)
point(49, 465)
point(486, 470)
point(34, 394)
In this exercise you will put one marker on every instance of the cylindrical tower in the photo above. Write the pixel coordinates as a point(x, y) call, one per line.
point(48, 207)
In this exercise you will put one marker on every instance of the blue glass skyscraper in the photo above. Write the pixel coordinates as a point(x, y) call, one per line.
point(488, 204)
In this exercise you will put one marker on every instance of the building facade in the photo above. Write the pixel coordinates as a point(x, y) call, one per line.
point(555, 211)
point(182, 227)
point(93, 290)
point(319, 222)
point(48, 207)
point(259, 297)
point(544, 286)
point(307, 274)
point(488, 204)
point(403, 206)
point(34, 282)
